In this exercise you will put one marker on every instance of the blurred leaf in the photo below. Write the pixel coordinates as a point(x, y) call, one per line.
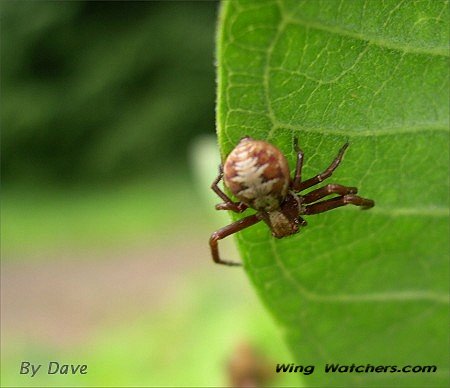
point(352, 287)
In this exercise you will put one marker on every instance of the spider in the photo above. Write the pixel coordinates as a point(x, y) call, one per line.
point(257, 174)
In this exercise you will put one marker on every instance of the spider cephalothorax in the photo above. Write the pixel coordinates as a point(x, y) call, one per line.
point(257, 174)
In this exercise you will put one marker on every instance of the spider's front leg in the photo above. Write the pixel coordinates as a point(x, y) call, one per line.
point(326, 174)
point(226, 231)
point(228, 204)
point(298, 168)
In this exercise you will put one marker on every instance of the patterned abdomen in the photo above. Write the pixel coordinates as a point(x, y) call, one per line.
point(257, 173)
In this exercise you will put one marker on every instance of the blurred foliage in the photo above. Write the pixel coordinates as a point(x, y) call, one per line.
point(103, 90)
point(186, 343)
point(35, 220)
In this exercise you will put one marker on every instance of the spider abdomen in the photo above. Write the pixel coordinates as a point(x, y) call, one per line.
point(257, 173)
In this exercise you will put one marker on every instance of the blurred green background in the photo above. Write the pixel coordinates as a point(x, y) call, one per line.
point(108, 150)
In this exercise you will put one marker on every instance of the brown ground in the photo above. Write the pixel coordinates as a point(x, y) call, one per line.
point(60, 299)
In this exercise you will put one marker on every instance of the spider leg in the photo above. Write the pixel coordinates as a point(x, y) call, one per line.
point(326, 174)
point(298, 168)
point(226, 231)
point(228, 204)
point(333, 203)
point(317, 194)
point(302, 221)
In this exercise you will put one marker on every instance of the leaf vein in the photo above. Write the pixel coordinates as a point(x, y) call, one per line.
point(397, 296)
point(380, 42)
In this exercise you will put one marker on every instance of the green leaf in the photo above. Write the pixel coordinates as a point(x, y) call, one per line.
point(363, 287)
